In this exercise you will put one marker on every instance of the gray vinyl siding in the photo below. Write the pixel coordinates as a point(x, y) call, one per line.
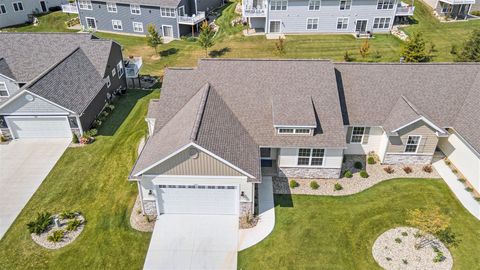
point(149, 15)
point(207, 5)
point(294, 19)
point(20, 105)
point(29, 6)
point(12, 87)
point(184, 164)
point(427, 144)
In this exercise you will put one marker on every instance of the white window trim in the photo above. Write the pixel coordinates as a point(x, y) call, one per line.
point(112, 8)
point(181, 8)
point(117, 23)
point(319, 6)
point(363, 135)
point(134, 7)
point(87, 5)
point(286, 6)
point(120, 74)
point(294, 131)
point(109, 83)
point(6, 89)
point(313, 29)
point(174, 12)
point(341, 29)
point(16, 2)
point(310, 158)
point(4, 8)
point(114, 71)
point(418, 144)
point(382, 28)
point(351, 4)
point(86, 21)
point(137, 23)
point(383, 1)
point(269, 24)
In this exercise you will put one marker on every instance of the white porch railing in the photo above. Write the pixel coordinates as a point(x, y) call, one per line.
point(133, 66)
point(459, 2)
point(405, 11)
point(192, 20)
point(70, 8)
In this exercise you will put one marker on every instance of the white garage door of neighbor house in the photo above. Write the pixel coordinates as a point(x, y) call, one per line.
point(39, 127)
point(198, 199)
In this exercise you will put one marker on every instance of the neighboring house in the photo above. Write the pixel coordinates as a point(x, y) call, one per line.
point(14, 12)
point(172, 18)
point(53, 84)
point(324, 16)
point(220, 127)
point(456, 9)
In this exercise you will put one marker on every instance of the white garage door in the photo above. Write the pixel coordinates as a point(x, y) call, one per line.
point(198, 199)
point(39, 127)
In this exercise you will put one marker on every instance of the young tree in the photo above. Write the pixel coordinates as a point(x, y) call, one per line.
point(205, 39)
point(280, 46)
point(364, 48)
point(470, 52)
point(429, 221)
point(415, 49)
point(153, 37)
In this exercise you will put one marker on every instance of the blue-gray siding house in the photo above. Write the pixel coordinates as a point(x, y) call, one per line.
point(172, 18)
point(14, 12)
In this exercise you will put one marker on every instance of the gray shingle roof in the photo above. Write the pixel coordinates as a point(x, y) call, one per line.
point(161, 3)
point(293, 110)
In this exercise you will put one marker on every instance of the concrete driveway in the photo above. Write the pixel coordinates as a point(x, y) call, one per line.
point(24, 164)
point(193, 242)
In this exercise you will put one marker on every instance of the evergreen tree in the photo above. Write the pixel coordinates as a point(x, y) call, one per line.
point(470, 52)
point(415, 49)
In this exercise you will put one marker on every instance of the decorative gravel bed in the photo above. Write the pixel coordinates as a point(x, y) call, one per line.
point(395, 249)
point(139, 221)
point(68, 237)
point(352, 185)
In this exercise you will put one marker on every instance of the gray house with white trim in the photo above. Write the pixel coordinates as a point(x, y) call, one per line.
point(14, 12)
point(55, 84)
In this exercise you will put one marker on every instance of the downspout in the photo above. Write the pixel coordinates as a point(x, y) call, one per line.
point(79, 125)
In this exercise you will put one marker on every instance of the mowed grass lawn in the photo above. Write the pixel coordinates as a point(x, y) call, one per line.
point(321, 232)
point(49, 22)
point(93, 180)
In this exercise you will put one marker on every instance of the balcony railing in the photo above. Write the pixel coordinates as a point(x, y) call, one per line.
point(255, 10)
point(70, 8)
point(192, 20)
point(133, 66)
point(459, 2)
point(405, 11)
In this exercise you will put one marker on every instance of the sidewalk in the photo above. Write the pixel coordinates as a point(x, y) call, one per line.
point(266, 222)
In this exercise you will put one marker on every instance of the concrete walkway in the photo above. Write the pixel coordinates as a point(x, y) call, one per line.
point(266, 222)
point(458, 188)
point(23, 166)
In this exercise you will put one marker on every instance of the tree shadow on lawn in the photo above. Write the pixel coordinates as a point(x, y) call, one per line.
point(283, 200)
point(218, 53)
point(169, 52)
point(123, 105)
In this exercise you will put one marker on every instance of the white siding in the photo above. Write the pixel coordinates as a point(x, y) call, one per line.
point(463, 157)
point(374, 140)
point(382, 147)
point(22, 106)
point(287, 157)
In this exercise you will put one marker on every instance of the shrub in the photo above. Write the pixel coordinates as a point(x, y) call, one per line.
point(348, 174)
point(104, 113)
point(398, 240)
point(347, 57)
point(56, 236)
point(74, 138)
point(73, 225)
point(439, 257)
point(90, 133)
point(475, 13)
point(462, 180)
point(363, 174)
point(407, 169)
point(448, 162)
point(337, 187)
point(427, 168)
point(448, 237)
point(314, 185)
point(67, 214)
point(454, 170)
point(389, 169)
point(430, 220)
point(388, 258)
point(358, 165)
point(97, 123)
point(2, 138)
point(477, 199)
point(41, 224)
point(294, 184)
point(405, 261)
point(404, 233)
point(371, 160)
point(109, 108)
point(469, 189)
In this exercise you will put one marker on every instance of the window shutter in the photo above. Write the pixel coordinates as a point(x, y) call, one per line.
point(365, 135)
point(349, 134)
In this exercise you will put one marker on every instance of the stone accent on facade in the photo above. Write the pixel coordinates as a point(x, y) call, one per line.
point(407, 159)
point(246, 208)
point(309, 172)
point(150, 208)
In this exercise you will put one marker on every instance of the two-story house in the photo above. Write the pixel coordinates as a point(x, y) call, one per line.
point(172, 18)
point(14, 12)
point(323, 16)
point(454, 9)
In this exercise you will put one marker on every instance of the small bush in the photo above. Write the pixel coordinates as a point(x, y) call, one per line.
point(427, 168)
point(469, 189)
point(405, 261)
point(407, 169)
point(56, 236)
point(91, 133)
point(347, 57)
point(454, 170)
point(439, 257)
point(364, 174)
point(337, 187)
point(461, 180)
point(293, 184)
point(41, 224)
point(475, 13)
point(74, 138)
point(398, 240)
point(448, 162)
point(73, 225)
point(371, 160)
point(404, 234)
point(477, 199)
point(388, 258)
point(67, 214)
point(358, 165)
point(348, 174)
point(389, 169)
point(110, 107)
point(314, 185)
point(448, 237)
point(97, 123)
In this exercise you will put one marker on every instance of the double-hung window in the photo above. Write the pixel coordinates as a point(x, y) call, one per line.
point(3, 90)
point(385, 4)
point(412, 143)
point(342, 23)
point(112, 7)
point(167, 12)
point(381, 23)
point(312, 23)
point(17, 6)
point(278, 5)
point(120, 69)
point(83, 4)
point(345, 4)
point(3, 10)
point(117, 25)
point(135, 9)
point(357, 135)
point(314, 4)
point(138, 27)
point(310, 157)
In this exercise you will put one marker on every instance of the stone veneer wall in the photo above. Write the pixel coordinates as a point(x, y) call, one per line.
point(150, 208)
point(246, 208)
point(309, 172)
point(407, 159)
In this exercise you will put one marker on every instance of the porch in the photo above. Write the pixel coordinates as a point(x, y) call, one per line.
point(454, 9)
point(70, 8)
point(192, 19)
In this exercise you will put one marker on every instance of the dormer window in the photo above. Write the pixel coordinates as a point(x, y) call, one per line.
point(291, 131)
point(293, 115)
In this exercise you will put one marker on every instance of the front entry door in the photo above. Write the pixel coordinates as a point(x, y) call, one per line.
point(44, 6)
point(361, 26)
point(167, 31)
point(91, 23)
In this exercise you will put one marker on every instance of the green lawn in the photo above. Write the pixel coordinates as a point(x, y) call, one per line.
point(321, 232)
point(93, 180)
point(49, 22)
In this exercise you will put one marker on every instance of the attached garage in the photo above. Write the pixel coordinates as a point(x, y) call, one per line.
point(198, 199)
point(39, 126)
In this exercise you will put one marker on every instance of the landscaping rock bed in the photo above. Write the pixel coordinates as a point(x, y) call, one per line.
point(68, 237)
point(139, 221)
point(396, 249)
